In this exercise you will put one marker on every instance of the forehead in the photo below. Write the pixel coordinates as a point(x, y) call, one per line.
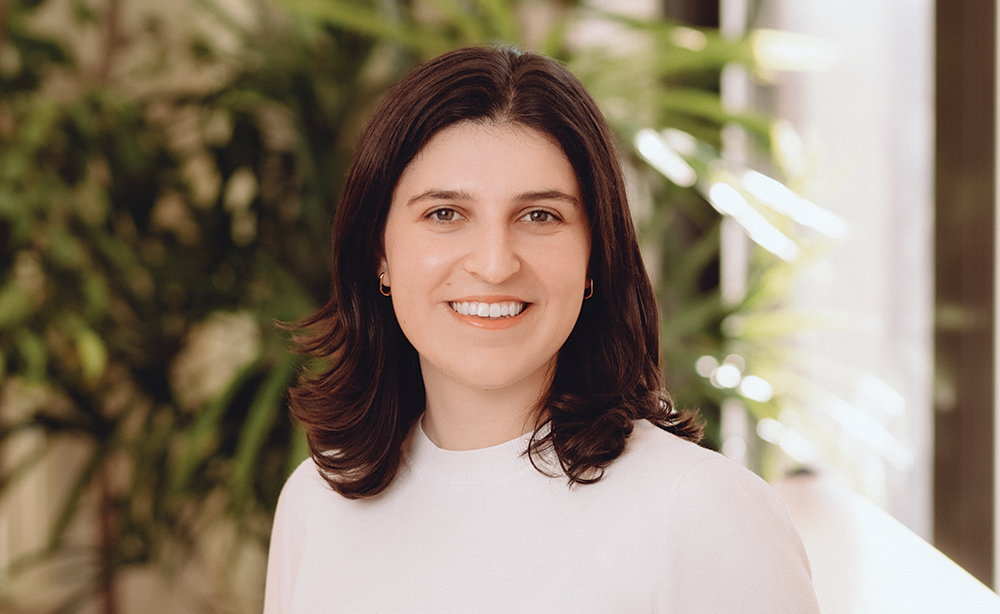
point(485, 156)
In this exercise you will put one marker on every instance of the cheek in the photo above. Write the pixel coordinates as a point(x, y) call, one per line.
point(566, 266)
point(418, 270)
point(415, 261)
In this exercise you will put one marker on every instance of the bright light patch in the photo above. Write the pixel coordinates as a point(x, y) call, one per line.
point(664, 158)
point(770, 430)
point(872, 390)
point(789, 148)
point(870, 431)
point(756, 389)
point(780, 198)
point(737, 361)
point(774, 50)
point(789, 440)
point(682, 142)
point(729, 201)
point(688, 38)
point(706, 366)
point(727, 376)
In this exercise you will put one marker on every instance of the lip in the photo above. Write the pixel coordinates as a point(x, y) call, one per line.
point(489, 298)
point(489, 323)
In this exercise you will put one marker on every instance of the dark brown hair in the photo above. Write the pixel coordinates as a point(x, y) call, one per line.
point(358, 412)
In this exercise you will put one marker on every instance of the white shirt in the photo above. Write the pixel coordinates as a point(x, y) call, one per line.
point(672, 527)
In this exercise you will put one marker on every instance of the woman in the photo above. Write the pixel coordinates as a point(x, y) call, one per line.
point(492, 433)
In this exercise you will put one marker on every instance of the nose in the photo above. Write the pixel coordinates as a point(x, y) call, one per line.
point(492, 254)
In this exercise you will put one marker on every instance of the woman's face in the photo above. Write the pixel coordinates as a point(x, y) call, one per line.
point(486, 251)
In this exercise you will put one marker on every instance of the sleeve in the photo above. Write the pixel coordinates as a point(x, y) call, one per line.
point(286, 543)
point(735, 549)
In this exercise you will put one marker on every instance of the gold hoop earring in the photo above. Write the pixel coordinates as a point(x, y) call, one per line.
point(382, 288)
point(590, 290)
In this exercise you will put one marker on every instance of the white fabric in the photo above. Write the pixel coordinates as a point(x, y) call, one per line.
point(671, 527)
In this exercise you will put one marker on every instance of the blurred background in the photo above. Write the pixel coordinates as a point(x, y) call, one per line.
point(814, 185)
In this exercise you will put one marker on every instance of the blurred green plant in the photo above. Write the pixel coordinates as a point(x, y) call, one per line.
point(167, 178)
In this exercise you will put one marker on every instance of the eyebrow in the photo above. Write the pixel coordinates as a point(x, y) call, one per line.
point(440, 195)
point(525, 197)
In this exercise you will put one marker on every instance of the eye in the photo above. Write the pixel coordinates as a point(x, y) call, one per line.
point(539, 216)
point(444, 215)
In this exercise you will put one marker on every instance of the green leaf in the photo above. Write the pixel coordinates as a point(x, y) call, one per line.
point(14, 168)
point(120, 255)
point(96, 294)
point(71, 506)
point(298, 450)
point(695, 258)
point(38, 125)
point(39, 49)
point(66, 250)
point(708, 106)
point(470, 25)
point(290, 301)
point(695, 315)
point(32, 352)
point(199, 441)
point(363, 20)
point(266, 407)
point(27, 5)
point(93, 355)
point(781, 323)
point(15, 305)
point(503, 19)
point(553, 44)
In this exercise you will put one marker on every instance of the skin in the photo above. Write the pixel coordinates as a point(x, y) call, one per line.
point(490, 215)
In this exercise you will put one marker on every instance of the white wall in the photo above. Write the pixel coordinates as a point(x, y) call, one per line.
point(868, 124)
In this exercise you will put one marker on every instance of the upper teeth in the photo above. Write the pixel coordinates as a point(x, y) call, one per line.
point(488, 310)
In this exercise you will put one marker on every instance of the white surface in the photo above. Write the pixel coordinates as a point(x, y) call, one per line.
point(864, 561)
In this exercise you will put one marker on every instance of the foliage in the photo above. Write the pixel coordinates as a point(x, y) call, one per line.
point(165, 197)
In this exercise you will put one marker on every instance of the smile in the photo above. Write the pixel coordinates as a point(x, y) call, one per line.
point(492, 311)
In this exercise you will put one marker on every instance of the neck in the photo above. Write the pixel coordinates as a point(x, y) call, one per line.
point(461, 417)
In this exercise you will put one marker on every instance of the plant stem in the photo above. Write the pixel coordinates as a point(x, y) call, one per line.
point(109, 537)
point(113, 40)
point(4, 16)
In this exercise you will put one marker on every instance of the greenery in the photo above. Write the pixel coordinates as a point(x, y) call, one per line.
point(167, 179)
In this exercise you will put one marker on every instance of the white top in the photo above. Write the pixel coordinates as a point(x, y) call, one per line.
point(672, 527)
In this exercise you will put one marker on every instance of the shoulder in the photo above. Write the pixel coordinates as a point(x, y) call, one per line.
point(647, 438)
point(305, 481)
point(305, 491)
point(729, 532)
point(664, 459)
point(692, 481)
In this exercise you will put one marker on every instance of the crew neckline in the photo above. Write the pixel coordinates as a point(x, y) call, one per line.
point(427, 461)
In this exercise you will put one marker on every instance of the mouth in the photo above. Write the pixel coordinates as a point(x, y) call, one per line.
point(488, 311)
